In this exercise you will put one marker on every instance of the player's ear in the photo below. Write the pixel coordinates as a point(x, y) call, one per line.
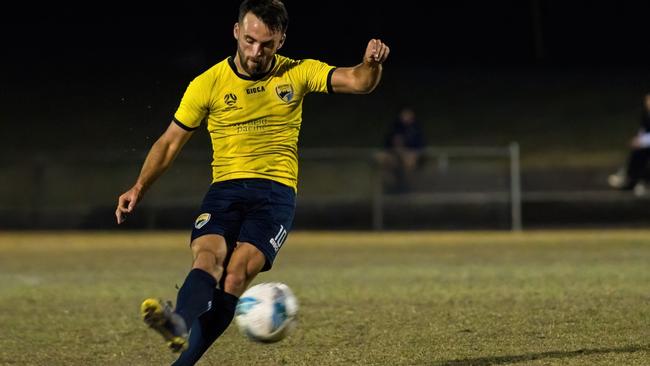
point(235, 31)
point(284, 36)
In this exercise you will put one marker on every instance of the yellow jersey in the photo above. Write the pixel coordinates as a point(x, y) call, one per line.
point(253, 122)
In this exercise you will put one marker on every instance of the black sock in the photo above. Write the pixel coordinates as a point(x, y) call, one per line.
point(228, 307)
point(195, 296)
point(208, 327)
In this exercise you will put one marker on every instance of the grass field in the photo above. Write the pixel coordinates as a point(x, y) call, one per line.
point(479, 298)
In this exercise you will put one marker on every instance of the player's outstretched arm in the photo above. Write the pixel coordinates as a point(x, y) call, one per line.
point(364, 77)
point(160, 157)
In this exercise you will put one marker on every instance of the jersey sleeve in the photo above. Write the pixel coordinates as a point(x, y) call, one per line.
point(318, 76)
point(195, 104)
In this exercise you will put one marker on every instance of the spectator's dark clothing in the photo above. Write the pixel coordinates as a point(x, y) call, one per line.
point(411, 135)
point(645, 122)
point(637, 163)
point(637, 166)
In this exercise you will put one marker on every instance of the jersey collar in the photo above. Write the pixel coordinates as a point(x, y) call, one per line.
point(231, 62)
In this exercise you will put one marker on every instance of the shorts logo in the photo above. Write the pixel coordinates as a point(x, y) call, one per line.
point(279, 239)
point(202, 220)
point(285, 92)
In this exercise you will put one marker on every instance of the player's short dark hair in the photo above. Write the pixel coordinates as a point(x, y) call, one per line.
point(271, 12)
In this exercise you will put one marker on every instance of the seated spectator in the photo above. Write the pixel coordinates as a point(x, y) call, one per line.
point(635, 174)
point(402, 152)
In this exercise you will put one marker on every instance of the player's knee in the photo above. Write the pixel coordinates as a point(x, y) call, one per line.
point(206, 261)
point(209, 255)
point(213, 245)
point(235, 282)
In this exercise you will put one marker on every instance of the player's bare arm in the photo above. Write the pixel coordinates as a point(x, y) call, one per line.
point(364, 77)
point(160, 157)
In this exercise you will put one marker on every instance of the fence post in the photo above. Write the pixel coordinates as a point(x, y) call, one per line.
point(515, 187)
point(378, 199)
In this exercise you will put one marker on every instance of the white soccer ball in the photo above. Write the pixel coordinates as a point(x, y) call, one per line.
point(267, 312)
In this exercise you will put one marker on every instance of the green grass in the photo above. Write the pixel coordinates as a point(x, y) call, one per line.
point(480, 298)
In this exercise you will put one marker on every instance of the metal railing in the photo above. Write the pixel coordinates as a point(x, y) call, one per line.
point(443, 156)
point(75, 190)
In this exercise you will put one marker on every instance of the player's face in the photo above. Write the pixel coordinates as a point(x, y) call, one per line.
point(256, 44)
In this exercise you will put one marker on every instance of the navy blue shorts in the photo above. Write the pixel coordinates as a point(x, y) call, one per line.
point(257, 211)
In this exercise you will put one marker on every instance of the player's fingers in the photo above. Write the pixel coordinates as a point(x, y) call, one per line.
point(119, 216)
point(383, 54)
point(376, 57)
point(372, 44)
point(379, 52)
point(371, 50)
point(376, 49)
point(129, 200)
point(123, 204)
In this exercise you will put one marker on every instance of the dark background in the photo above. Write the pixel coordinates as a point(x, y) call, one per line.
point(115, 71)
point(87, 88)
point(421, 34)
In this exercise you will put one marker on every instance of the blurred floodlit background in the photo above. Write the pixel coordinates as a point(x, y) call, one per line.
point(559, 84)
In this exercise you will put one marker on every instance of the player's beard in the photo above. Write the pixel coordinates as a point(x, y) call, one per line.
point(252, 68)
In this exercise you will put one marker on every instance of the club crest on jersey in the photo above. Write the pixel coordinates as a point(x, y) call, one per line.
point(202, 220)
point(285, 92)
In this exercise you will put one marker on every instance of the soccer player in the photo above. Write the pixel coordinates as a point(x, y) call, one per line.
point(251, 104)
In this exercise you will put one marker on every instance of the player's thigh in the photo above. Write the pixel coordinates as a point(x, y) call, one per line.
point(217, 227)
point(213, 244)
point(269, 221)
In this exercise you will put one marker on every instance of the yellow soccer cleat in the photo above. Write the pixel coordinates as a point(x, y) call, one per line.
point(160, 317)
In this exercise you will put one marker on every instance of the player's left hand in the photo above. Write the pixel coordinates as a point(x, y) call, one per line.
point(126, 203)
point(376, 52)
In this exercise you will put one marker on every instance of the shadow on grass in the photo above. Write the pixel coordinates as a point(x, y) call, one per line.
point(503, 360)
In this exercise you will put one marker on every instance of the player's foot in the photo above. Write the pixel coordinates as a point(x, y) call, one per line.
point(161, 318)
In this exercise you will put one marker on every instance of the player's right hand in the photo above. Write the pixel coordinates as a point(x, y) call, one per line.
point(126, 203)
point(376, 52)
